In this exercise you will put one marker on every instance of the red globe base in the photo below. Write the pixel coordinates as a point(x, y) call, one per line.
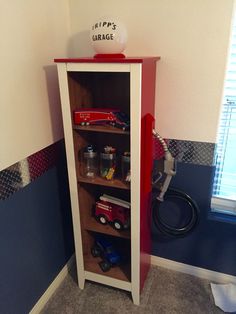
point(109, 55)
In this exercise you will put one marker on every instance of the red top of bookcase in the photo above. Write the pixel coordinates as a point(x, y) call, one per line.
point(106, 59)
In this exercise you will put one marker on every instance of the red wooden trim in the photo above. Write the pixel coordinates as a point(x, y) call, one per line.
point(106, 60)
point(147, 153)
point(147, 124)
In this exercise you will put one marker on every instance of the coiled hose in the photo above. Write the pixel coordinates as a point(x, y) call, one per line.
point(188, 203)
point(174, 195)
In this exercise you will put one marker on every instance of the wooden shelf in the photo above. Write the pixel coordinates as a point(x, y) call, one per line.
point(99, 181)
point(117, 272)
point(99, 128)
point(92, 225)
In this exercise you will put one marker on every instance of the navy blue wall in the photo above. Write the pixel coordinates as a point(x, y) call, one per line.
point(36, 239)
point(212, 244)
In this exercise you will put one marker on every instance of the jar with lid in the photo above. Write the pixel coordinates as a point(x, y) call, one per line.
point(125, 167)
point(108, 163)
point(89, 162)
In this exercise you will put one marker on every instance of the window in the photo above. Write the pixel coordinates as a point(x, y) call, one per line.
point(224, 188)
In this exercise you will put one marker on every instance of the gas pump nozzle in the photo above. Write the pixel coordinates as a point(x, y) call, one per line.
point(169, 166)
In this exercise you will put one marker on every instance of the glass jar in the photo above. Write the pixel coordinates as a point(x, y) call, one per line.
point(125, 167)
point(89, 162)
point(107, 165)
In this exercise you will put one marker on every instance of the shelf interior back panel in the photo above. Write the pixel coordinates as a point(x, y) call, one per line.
point(99, 90)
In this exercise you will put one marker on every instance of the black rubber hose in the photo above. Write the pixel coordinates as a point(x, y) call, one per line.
point(168, 229)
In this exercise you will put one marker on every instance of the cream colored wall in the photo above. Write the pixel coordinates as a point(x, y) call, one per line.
point(32, 34)
point(191, 36)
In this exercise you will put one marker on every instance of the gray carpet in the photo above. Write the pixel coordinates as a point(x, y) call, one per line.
point(165, 292)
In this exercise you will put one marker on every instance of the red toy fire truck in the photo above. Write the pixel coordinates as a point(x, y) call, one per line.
point(94, 116)
point(113, 210)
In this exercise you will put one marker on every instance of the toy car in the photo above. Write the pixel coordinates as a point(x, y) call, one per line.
point(98, 116)
point(103, 248)
point(113, 210)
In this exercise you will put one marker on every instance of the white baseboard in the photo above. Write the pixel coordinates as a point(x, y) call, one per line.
point(53, 286)
point(192, 270)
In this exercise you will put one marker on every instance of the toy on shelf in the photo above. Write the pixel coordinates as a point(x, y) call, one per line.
point(113, 210)
point(104, 248)
point(101, 116)
point(108, 163)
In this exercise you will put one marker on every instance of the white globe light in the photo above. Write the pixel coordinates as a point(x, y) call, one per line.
point(108, 36)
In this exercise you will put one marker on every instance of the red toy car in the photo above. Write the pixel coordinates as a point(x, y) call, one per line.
point(113, 210)
point(94, 116)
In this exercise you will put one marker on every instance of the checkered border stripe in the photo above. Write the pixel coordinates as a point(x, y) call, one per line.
point(199, 153)
point(22, 173)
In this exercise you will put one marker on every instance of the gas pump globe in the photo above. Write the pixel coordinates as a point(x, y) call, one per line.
point(108, 35)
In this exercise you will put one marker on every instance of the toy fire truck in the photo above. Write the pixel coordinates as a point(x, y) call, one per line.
point(98, 116)
point(113, 210)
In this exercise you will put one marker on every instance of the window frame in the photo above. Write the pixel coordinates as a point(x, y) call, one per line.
point(221, 204)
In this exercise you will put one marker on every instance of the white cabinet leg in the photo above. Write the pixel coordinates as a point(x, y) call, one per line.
point(81, 283)
point(80, 275)
point(135, 297)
